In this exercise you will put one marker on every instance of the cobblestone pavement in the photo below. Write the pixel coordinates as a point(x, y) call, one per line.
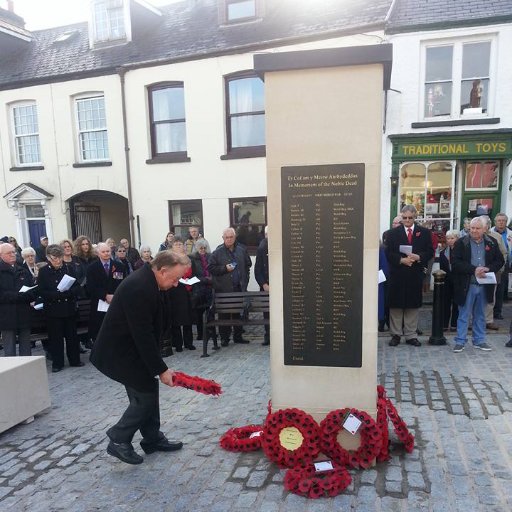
point(457, 405)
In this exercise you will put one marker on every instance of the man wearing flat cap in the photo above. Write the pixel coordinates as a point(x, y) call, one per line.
point(41, 250)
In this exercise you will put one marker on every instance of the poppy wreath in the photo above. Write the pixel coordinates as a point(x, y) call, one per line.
point(305, 481)
point(382, 423)
point(239, 439)
point(305, 433)
point(400, 427)
point(205, 386)
point(371, 439)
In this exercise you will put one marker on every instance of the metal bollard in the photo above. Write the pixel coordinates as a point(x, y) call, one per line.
point(437, 337)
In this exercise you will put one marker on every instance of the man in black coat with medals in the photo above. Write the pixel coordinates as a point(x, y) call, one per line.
point(103, 277)
point(127, 350)
point(408, 250)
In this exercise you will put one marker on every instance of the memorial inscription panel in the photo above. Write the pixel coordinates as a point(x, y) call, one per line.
point(323, 214)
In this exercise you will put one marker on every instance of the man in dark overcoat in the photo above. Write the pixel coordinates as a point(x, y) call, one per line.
point(229, 266)
point(261, 274)
point(473, 256)
point(127, 350)
point(406, 274)
point(15, 311)
point(103, 276)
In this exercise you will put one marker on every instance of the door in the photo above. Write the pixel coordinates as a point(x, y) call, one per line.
point(86, 221)
point(481, 189)
point(36, 229)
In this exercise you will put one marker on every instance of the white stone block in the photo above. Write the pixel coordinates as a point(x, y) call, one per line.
point(24, 390)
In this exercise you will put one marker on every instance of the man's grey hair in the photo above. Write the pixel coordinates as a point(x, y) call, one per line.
point(145, 248)
point(27, 251)
point(102, 245)
point(501, 214)
point(169, 259)
point(228, 230)
point(409, 208)
point(485, 218)
point(479, 220)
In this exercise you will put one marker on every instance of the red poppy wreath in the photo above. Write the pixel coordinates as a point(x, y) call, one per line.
point(306, 481)
point(290, 438)
point(239, 439)
point(400, 427)
point(205, 386)
point(371, 439)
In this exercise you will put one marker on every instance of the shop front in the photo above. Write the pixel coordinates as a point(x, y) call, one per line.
point(450, 176)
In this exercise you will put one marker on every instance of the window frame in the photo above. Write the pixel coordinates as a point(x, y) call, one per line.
point(172, 156)
point(244, 151)
point(227, 3)
point(251, 249)
point(109, 38)
point(77, 100)
point(456, 77)
point(172, 226)
point(15, 137)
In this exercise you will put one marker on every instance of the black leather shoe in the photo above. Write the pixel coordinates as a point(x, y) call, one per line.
point(241, 340)
point(224, 343)
point(124, 452)
point(190, 347)
point(178, 349)
point(78, 365)
point(414, 342)
point(163, 445)
point(56, 369)
point(508, 344)
point(394, 341)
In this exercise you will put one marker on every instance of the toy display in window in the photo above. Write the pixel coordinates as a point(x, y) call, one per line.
point(475, 96)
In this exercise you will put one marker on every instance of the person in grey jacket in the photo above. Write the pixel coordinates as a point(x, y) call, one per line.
point(230, 266)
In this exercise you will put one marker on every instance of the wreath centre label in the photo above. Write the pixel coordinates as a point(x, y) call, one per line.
point(291, 438)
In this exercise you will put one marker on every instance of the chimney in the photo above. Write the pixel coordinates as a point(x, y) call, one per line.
point(10, 5)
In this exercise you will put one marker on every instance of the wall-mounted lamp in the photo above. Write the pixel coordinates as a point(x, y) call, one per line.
point(394, 184)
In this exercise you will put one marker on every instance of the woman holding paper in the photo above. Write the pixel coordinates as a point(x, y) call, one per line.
point(59, 289)
point(181, 307)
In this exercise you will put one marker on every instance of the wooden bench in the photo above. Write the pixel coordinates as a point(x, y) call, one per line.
point(244, 303)
point(38, 319)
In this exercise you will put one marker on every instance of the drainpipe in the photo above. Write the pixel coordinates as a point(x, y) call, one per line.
point(122, 72)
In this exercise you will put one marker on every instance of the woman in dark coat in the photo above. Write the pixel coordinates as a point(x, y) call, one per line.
point(60, 309)
point(15, 311)
point(451, 310)
point(181, 307)
point(202, 292)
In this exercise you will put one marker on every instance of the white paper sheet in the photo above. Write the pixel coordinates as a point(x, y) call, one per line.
point(103, 306)
point(405, 249)
point(382, 276)
point(37, 307)
point(352, 424)
point(65, 283)
point(191, 281)
point(490, 278)
point(24, 289)
point(325, 465)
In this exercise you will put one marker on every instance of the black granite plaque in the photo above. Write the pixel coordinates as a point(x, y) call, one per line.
point(323, 214)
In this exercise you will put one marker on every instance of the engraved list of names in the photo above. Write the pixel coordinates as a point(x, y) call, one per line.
point(323, 213)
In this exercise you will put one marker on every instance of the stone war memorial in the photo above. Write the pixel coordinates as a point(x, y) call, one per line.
point(324, 117)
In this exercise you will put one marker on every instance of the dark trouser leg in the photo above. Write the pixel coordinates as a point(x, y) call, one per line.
point(142, 414)
point(504, 282)
point(267, 329)
point(24, 339)
point(447, 303)
point(9, 343)
point(56, 339)
point(188, 336)
point(95, 322)
point(72, 343)
point(498, 303)
point(224, 330)
point(237, 329)
point(199, 323)
point(176, 337)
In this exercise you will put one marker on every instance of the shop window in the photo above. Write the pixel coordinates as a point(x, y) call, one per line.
point(25, 134)
point(245, 116)
point(92, 129)
point(457, 79)
point(167, 120)
point(482, 176)
point(429, 186)
point(183, 214)
point(248, 216)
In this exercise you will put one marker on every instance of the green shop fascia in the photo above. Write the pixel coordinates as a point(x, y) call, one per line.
point(450, 176)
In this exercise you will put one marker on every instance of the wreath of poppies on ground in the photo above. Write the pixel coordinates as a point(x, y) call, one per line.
point(290, 420)
point(371, 439)
point(239, 439)
point(400, 427)
point(306, 481)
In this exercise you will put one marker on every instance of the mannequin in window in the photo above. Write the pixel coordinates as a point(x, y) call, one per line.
point(475, 96)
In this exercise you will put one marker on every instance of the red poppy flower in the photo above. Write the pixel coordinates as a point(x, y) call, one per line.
point(207, 387)
point(240, 440)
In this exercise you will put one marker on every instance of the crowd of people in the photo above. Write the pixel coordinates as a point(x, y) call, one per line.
point(34, 279)
point(476, 261)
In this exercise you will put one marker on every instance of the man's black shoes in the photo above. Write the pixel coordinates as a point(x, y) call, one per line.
point(124, 452)
point(241, 340)
point(508, 344)
point(414, 342)
point(162, 445)
point(395, 340)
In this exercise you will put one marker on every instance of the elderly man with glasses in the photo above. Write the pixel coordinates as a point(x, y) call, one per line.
point(409, 249)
